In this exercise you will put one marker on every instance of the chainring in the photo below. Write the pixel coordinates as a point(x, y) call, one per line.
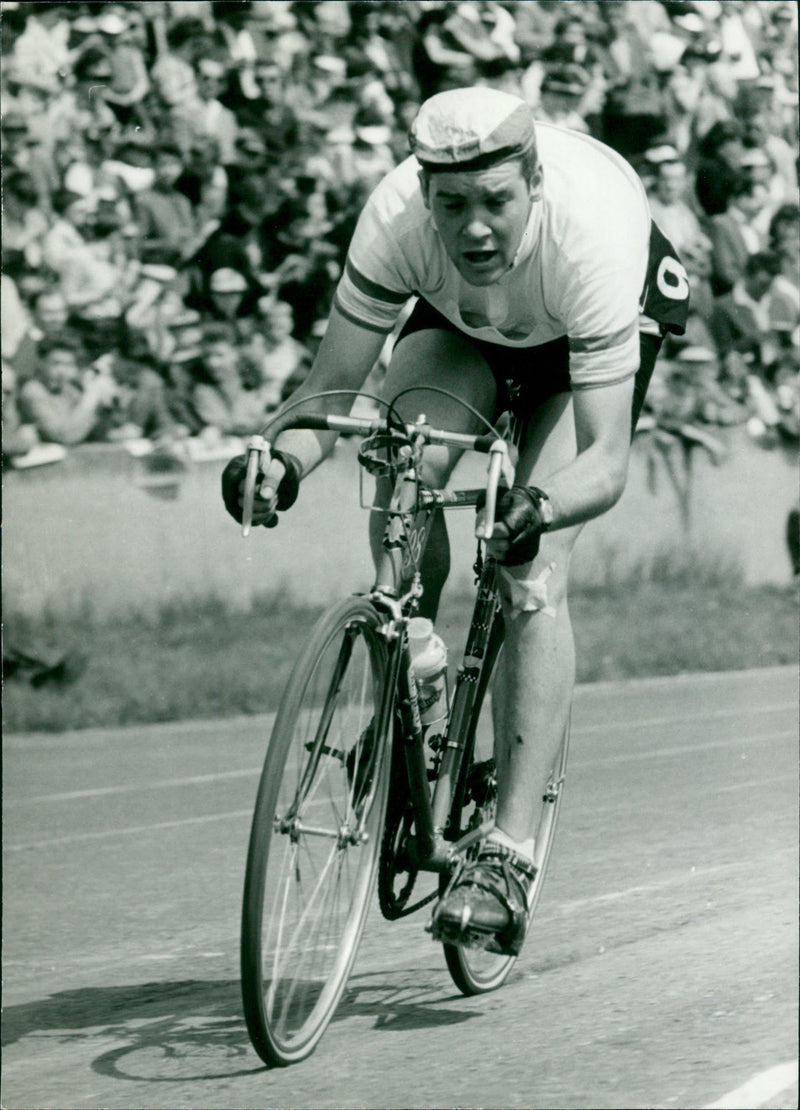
point(395, 866)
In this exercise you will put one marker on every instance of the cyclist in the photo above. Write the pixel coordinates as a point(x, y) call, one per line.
point(540, 278)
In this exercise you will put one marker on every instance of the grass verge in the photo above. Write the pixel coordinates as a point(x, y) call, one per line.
point(199, 660)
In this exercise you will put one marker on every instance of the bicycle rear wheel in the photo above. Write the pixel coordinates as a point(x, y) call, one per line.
point(476, 970)
point(316, 835)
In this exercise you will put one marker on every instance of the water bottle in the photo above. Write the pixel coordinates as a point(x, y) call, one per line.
point(429, 656)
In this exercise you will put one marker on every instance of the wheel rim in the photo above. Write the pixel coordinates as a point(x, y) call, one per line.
point(324, 841)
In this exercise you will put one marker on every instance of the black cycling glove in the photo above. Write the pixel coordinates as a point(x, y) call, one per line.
point(233, 477)
point(519, 509)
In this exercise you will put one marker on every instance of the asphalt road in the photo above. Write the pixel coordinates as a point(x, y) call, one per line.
point(661, 970)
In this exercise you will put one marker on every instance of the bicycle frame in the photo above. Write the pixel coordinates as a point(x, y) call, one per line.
point(395, 593)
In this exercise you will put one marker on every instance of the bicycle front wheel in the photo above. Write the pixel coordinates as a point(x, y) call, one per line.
point(316, 835)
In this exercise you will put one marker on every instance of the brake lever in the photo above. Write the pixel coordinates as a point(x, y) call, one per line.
point(500, 465)
point(257, 458)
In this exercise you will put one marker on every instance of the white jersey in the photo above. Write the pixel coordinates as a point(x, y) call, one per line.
point(579, 271)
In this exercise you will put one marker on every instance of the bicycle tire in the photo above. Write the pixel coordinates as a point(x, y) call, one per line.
point(476, 970)
point(315, 836)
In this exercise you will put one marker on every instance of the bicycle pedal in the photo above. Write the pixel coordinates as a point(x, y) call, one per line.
point(466, 938)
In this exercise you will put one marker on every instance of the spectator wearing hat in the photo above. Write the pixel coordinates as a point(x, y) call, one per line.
point(561, 97)
point(122, 33)
point(228, 291)
point(224, 402)
point(165, 217)
point(734, 234)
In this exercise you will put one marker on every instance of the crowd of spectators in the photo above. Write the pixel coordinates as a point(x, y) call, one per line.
point(181, 180)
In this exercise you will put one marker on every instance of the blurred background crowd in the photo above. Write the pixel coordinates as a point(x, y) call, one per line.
point(181, 180)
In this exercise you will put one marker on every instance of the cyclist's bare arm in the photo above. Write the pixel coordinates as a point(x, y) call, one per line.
point(595, 479)
point(345, 358)
point(593, 482)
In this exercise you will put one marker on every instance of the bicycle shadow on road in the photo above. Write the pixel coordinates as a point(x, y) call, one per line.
point(167, 1031)
point(185, 1030)
point(401, 1000)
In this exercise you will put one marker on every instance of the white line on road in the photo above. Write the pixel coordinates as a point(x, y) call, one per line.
point(128, 831)
point(710, 715)
point(758, 1090)
point(693, 875)
point(130, 788)
point(687, 749)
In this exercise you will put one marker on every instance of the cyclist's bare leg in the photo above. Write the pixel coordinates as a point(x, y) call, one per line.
point(536, 674)
point(443, 359)
point(530, 701)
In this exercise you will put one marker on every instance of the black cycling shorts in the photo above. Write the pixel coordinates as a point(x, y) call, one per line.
point(521, 385)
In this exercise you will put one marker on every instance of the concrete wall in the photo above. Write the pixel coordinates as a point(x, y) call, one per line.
point(84, 532)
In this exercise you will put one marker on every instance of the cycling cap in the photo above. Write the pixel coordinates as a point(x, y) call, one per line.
point(471, 128)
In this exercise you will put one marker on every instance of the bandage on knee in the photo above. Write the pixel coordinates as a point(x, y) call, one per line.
point(527, 595)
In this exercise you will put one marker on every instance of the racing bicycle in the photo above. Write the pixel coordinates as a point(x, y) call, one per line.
point(352, 794)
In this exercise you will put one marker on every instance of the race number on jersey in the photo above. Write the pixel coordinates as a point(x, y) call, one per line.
point(665, 297)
